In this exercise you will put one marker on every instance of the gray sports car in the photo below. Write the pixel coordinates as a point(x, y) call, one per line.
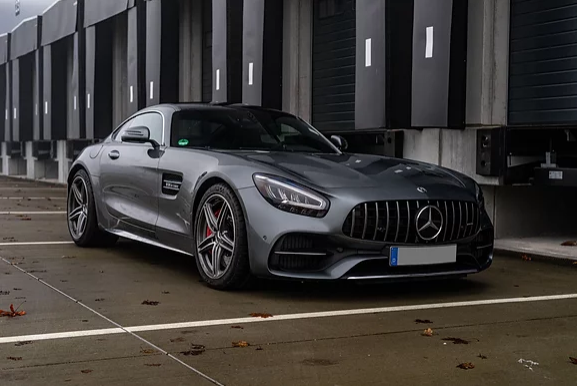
point(255, 192)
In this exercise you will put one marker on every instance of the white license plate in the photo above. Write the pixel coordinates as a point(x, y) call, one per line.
point(407, 256)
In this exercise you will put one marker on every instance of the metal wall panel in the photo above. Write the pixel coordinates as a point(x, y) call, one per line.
point(370, 76)
point(58, 88)
point(96, 11)
point(333, 65)
point(252, 51)
point(207, 50)
point(47, 92)
point(15, 100)
point(431, 58)
point(227, 51)
point(8, 104)
point(75, 105)
point(135, 60)
point(38, 94)
point(25, 38)
point(2, 99)
point(262, 53)
point(4, 48)
point(90, 77)
point(542, 66)
point(103, 90)
point(153, 50)
point(24, 98)
point(59, 21)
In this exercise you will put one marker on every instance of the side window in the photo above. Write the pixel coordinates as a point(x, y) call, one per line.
point(153, 121)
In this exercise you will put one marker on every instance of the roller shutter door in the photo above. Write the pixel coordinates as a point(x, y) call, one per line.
point(207, 50)
point(543, 62)
point(333, 83)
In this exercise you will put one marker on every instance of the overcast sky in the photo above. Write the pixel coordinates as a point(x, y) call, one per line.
point(28, 8)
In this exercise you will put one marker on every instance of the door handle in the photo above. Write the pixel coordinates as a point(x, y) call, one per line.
point(114, 154)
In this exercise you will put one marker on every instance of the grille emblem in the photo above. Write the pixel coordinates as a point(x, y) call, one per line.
point(420, 189)
point(429, 222)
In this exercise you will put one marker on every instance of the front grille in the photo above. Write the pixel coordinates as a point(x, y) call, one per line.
point(395, 221)
point(300, 253)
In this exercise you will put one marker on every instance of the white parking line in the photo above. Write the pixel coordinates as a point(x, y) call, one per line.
point(31, 243)
point(277, 318)
point(32, 213)
point(33, 198)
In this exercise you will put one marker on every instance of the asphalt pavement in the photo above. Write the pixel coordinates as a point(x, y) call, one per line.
point(136, 315)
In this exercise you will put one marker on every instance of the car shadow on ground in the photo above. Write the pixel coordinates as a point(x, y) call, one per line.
point(185, 266)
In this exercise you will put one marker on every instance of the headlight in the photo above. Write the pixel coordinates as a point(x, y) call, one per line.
point(287, 196)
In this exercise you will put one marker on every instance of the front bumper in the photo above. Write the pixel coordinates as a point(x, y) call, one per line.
point(285, 245)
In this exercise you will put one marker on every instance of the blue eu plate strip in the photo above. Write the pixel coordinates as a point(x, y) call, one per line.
point(394, 256)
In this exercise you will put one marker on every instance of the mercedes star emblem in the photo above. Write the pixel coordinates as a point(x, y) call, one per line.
point(429, 222)
point(420, 189)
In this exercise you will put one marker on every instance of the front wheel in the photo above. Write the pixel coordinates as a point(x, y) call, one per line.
point(220, 240)
point(81, 213)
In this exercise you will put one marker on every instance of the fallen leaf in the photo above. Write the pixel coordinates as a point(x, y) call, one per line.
point(87, 371)
point(84, 321)
point(481, 356)
point(147, 351)
point(423, 321)
point(259, 348)
point(12, 313)
point(37, 270)
point(25, 219)
point(516, 285)
point(177, 340)
point(17, 289)
point(4, 293)
point(260, 315)
point(14, 358)
point(427, 332)
point(195, 349)
point(99, 300)
point(64, 281)
point(20, 297)
point(457, 340)
point(165, 292)
point(23, 343)
point(68, 257)
point(152, 364)
point(240, 343)
point(466, 366)
point(150, 303)
point(572, 243)
point(237, 327)
point(573, 360)
point(526, 258)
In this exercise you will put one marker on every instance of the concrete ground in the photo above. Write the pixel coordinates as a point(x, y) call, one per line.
point(86, 324)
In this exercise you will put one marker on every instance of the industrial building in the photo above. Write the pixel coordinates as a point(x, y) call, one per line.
point(485, 87)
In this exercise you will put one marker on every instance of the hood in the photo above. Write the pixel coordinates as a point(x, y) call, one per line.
point(335, 171)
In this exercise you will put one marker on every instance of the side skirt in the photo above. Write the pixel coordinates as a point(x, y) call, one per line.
point(130, 236)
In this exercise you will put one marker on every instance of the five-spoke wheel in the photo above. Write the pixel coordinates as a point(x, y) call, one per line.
point(220, 239)
point(78, 207)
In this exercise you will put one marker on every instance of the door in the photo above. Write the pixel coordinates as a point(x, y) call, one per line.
point(129, 177)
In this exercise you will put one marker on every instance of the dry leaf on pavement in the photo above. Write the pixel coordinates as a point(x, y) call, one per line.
point(526, 258)
point(423, 321)
point(177, 340)
point(152, 364)
point(573, 360)
point(481, 356)
point(150, 303)
point(87, 371)
point(569, 243)
point(427, 332)
point(240, 343)
point(237, 327)
point(260, 315)
point(147, 351)
point(14, 358)
point(466, 366)
point(12, 313)
point(195, 349)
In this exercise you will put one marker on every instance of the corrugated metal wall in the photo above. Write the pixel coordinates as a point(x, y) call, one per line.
point(543, 62)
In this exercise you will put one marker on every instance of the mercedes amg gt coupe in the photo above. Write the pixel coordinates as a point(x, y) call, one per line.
point(255, 192)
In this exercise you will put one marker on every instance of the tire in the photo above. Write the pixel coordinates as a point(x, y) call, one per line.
point(91, 235)
point(237, 274)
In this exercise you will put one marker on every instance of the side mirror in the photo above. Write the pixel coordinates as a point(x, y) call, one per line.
point(138, 134)
point(339, 142)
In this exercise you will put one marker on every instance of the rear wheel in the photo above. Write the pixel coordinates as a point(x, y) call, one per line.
point(81, 213)
point(220, 240)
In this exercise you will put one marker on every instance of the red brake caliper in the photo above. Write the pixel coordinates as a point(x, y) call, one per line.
point(208, 231)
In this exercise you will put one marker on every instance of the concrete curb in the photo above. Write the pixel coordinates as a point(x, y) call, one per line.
point(537, 254)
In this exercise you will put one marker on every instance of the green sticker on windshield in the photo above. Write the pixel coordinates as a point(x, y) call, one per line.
point(182, 142)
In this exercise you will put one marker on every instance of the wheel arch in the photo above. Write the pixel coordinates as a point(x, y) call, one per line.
point(75, 169)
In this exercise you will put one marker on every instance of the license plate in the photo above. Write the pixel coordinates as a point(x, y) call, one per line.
point(407, 256)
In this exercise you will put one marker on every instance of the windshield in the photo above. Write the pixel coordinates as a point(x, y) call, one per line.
point(246, 129)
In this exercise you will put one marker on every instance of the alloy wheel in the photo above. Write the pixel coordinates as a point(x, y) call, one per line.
point(78, 207)
point(215, 236)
